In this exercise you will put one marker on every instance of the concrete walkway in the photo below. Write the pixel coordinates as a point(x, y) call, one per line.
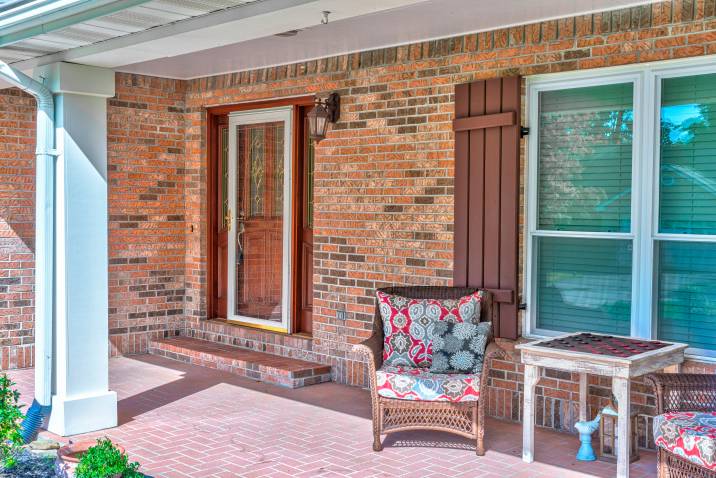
point(180, 420)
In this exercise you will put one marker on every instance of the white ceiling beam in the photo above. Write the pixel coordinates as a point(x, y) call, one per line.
point(191, 25)
point(45, 18)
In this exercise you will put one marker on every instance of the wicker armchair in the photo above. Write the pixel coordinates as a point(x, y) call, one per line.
point(682, 392)
point(391, 415)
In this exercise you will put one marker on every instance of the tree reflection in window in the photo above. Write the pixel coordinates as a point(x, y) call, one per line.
point(687, 186)
point(585, 158)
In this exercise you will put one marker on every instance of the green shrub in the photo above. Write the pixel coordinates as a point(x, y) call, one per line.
point(105, 460)
point(10, 417)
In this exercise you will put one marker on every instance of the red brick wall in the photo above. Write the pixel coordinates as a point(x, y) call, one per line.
point(146, 216)
point(147, 220)
point(384, 187)
point(17, 236)
point(384, 174)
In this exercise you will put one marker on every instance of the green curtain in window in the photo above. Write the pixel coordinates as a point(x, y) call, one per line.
point(585, 158)
point(687, 293)
point(687, 186)
point(584, 284)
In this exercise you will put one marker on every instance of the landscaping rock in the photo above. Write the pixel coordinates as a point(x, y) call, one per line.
point(30, 465)
point(43, 444)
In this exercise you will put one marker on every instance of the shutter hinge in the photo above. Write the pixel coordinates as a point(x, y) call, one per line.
point(524, 131)
point(522, 306)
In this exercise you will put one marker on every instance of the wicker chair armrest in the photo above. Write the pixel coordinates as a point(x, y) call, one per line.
point(493, 351)
point(683, 391)
point(372, 349)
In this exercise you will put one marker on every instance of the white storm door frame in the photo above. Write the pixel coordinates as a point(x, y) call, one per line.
point(238, 118)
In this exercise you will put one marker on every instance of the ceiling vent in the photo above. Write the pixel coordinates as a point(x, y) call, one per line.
point(289, 33)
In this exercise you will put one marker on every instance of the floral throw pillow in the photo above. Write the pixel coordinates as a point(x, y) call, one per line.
point(408, 324)
point(459, 347)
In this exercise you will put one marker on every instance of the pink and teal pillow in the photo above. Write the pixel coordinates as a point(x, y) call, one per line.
point(408, 324)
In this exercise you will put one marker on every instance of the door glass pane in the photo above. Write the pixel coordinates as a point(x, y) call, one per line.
point(257, 170)
point(687, 186)
point(224, 178)
point(686, 293)
point(259, 235)
point(278, 175)
point(585, 158)
point(310, 167)
point(584, 284)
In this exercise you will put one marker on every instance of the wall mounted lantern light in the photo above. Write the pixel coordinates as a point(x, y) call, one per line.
point(326, 110)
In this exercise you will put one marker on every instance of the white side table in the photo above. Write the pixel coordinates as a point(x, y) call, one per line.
point(620, 358)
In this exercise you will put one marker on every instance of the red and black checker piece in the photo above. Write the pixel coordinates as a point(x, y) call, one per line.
point(604, 345)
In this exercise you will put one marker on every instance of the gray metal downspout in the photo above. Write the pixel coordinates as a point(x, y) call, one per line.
point(45, 152)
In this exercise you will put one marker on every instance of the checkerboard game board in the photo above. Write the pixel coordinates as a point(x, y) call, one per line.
point(603, 344)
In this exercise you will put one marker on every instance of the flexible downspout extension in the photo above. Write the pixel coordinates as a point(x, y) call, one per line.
point(39, 412)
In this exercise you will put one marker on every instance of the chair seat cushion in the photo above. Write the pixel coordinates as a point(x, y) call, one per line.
point(690, 435)
point(416, 383)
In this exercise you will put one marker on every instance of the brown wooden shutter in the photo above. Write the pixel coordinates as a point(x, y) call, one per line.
point(487, 165)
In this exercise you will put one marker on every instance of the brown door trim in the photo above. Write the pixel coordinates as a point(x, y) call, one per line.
point(215, 116)
point(300, 183)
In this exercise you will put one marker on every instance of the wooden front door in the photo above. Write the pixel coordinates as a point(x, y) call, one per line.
point(259, 235)
point(220, 215)
point(260, 218)
point(223, 220)
point(305, 262)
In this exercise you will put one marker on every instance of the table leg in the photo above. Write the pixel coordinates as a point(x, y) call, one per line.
point(621, 389)
point(583, 388)
point(532, 374)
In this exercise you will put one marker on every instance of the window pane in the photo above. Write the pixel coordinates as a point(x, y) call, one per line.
point(585, 158)
point(584, 285)
point(686, 293)
point(687, 188)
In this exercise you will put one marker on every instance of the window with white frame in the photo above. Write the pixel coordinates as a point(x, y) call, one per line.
point(622, 204)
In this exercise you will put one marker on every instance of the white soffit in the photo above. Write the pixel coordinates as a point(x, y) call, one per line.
point(242, 39)
point(411, 23)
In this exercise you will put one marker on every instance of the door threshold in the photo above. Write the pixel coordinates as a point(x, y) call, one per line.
point(245, 326)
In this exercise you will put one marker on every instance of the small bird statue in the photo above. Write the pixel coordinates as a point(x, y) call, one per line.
point(585, 429)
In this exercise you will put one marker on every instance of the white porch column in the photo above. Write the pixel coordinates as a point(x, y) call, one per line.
point(81, 400)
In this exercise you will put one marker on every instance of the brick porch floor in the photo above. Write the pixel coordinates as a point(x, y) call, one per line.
point(180, 420)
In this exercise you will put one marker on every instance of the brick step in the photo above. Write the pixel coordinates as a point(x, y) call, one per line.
point(264, 367)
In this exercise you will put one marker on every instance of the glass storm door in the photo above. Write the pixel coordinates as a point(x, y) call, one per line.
point(259, 233)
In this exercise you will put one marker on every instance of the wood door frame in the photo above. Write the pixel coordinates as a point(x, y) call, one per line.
point(300, 183)
point(214, 119)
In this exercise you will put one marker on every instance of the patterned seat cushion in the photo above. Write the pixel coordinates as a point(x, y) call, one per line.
point(408, 325)
point(690, 435)
point(416, 383)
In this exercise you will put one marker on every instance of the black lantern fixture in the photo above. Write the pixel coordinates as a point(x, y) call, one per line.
point(326, 110)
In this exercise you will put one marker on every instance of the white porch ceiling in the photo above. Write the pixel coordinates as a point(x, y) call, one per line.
point(425, 20)
point(192, 38)
point(123, 22)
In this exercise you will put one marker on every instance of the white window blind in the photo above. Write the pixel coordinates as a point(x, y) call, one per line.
point(585, 149)
point(622, 204)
